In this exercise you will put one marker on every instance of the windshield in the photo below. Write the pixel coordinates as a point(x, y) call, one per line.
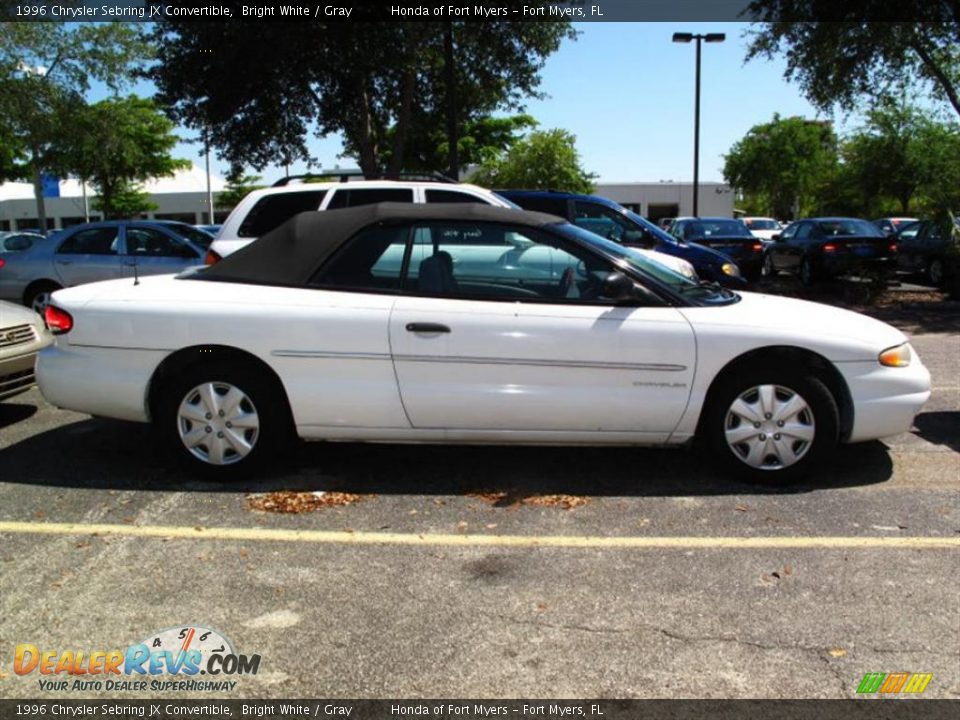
point(845, 227)
point(762, 224)
point(194, 235)
point(716, 228)
point(676, 282)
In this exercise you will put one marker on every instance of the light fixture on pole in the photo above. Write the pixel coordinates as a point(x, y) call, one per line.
point(685, 38)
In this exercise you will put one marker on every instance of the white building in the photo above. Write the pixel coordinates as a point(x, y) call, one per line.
point(670, 199)
point(184, 197)
point(181, 197)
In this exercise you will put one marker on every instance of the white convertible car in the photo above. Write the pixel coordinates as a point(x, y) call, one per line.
point(472, 324)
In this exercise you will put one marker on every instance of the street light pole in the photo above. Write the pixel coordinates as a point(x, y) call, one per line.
point(685, 38)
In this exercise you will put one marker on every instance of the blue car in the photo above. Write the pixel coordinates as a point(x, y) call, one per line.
point(614, 222)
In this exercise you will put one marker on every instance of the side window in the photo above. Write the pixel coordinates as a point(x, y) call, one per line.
point(371, 260)
point(485, 261)
point(150, 242)
point(610, 224)
point(790, 231)
point(451, 196)
point(96, 241)
point(550, 205)
point(346, 197)
point(272, 211)
point(803, 233)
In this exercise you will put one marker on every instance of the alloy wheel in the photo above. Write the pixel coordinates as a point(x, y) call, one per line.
point(769, 427)
point(218, 423)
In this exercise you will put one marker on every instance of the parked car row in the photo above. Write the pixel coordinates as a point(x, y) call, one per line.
point(97, 251)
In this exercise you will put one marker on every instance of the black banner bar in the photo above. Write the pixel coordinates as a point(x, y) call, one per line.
point(865, 709)
point(471, 10)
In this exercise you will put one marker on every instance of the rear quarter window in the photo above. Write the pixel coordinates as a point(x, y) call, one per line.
point(272, 211)
point(346, 197)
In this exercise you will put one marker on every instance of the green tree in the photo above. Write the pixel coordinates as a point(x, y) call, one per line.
point(480, 140)
point(239, 185)
point(115, 145)
point(258, 90)
point(127, 200)
point(786, 162)
point(45, 68)
point(545, 159)
point(862, 49)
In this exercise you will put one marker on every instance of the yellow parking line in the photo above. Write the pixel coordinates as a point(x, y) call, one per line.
point(347, 537)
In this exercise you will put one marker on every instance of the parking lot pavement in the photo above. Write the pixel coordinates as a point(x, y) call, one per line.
point(459, 571)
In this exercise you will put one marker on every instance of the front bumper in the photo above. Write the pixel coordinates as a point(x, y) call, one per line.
point(17, 374)
point(885, 399)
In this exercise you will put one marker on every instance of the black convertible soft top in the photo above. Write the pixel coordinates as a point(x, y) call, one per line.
point(291, 253)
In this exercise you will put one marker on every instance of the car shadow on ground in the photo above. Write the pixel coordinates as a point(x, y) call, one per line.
point(109, 454)
point(11, 414)
point(940, 428)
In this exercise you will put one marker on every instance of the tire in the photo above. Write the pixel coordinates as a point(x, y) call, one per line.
point(255, 430)
point(769, 269)
point(770, 454)
point(807, 277)
point(935, 272)
point(37, 296)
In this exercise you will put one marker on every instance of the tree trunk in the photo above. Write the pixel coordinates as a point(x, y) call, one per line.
point(38, 194)
point(403, 122)
point(938, 73)
point(366, 139)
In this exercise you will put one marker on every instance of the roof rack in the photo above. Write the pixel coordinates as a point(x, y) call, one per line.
point(345, 175)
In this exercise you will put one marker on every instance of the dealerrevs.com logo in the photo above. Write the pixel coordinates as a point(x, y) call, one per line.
point(187, 658)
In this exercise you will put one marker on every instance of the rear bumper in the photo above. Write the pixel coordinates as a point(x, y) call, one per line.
point(105, 382)
point(844, 263)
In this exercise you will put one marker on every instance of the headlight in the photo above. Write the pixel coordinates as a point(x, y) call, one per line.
point(899, 356)
point(730, 269)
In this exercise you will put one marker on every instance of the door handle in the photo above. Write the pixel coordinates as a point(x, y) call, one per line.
point(427, 328)
point(64, 262)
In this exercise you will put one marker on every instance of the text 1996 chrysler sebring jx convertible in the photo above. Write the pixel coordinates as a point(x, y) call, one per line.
point(472, 324)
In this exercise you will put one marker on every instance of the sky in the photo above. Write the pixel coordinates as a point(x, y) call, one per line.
point(627, 92)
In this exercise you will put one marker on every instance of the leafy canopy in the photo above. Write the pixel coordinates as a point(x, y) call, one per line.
point(784, 162)
point(544, 160)
point(258, 90)
point(863, 49)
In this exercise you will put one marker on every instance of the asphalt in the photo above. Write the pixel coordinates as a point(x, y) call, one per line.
point(852, 572)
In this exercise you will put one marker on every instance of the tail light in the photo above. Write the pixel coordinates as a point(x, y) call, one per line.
point(892, 247)
point(830, 248)
point(59, 321)
point(211, 258)
point(2, 262)
point(757, 247)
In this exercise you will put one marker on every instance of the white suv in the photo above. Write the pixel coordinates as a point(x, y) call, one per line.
point(263, 210)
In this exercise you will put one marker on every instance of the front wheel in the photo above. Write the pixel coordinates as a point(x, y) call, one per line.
point(224, 421)
point(806, 272)
point(769, 269)
point(771, 426)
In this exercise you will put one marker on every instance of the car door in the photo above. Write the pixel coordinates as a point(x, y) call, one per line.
point(518, 340)
point(152, 251)
point(89, 255)
point(795, 247)
point(910, 255)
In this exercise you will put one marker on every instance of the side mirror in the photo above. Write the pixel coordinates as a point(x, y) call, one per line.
point(617, 286)
point(776, 237)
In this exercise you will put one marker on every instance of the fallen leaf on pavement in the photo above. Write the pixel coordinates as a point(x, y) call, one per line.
point(837, 652)
point(288, 501)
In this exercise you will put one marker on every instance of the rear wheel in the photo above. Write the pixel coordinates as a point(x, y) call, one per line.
point(935, 272)
point(224, 421)
point(37, 296)
point(771, 426)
